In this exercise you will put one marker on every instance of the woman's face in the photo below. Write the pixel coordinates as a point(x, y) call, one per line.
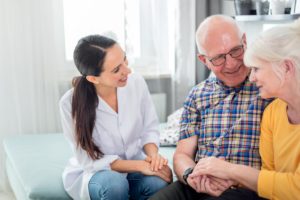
point(266, 79)
point(115, 68)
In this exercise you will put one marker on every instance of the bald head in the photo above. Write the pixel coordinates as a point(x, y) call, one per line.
point(216, 29)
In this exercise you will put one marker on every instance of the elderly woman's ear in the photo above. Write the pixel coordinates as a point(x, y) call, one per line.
point(289, 68)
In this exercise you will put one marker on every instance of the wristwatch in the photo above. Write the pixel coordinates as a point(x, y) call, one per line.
point(186, 174)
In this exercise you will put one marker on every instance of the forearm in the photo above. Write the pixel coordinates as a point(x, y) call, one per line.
point(181, 163)
point(150, 149)
point(245, 175)
point(126, 166)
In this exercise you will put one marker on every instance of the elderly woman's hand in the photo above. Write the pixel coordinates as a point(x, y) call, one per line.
point(214, 167)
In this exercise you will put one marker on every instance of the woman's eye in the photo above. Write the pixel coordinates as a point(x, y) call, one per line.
point(116, 70)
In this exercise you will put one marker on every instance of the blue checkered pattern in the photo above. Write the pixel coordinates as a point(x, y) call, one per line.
point(226, 121)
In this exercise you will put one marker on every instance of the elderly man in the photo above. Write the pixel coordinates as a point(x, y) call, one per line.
point(221, 116)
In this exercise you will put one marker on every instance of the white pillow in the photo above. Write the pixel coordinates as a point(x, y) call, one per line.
point(169, 134)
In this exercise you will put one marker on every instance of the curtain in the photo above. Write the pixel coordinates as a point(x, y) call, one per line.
point(30, 57)
point(184, 76)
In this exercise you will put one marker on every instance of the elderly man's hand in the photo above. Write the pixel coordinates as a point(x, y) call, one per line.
point(209, 185)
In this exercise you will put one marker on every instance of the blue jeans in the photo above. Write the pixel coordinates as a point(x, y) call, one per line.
point(112, 185)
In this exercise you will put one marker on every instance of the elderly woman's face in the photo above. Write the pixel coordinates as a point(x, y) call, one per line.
point(265, 78)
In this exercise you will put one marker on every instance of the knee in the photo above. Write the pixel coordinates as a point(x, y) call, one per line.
point(154, 184)
point(111, 185)
point(109, 191)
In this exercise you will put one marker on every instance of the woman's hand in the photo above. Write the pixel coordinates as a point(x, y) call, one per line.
point(214, 167)
point(165, 172)
point(156, 161)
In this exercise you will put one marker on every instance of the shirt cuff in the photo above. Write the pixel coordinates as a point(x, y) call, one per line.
point(152, 137)
point(265, 184)
point(104, 162)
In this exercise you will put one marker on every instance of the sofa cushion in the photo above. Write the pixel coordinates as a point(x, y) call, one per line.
point(37, 162)
point(34, 165)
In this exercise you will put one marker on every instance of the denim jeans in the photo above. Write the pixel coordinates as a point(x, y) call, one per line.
point(112, 185)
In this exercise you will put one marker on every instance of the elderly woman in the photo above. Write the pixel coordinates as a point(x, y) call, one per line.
point(274, 59)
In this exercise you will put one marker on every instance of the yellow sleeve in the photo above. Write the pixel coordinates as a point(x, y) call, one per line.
point(265, 185)
point(266, 140)
point(277, 185)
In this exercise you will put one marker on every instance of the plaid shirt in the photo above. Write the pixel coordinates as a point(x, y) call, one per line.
point(226, 121)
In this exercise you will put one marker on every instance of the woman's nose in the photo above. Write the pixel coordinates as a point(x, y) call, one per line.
point(126, 69)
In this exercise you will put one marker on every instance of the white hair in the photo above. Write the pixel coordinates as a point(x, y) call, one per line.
point(274, 46)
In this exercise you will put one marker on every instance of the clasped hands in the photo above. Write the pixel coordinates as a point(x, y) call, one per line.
point(157, 165)
point(210, 176)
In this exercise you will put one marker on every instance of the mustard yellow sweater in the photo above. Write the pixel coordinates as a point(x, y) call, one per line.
point(279, 178)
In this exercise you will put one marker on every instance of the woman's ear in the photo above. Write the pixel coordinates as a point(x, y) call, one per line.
point(92, 79)
point(289, 68)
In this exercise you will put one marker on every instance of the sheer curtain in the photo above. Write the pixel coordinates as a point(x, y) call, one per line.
point(184, 76)
point(30, 56)
point(172, 24)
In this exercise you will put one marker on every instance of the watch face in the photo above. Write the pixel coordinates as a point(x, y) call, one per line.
point(186, 173)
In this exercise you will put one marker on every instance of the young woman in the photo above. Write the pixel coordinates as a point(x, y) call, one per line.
point(110, 121)
point(275, 62)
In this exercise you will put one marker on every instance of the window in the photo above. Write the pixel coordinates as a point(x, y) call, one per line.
point(85, 17)
point(145, 29)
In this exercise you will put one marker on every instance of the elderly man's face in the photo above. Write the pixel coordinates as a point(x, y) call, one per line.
point(224, 56)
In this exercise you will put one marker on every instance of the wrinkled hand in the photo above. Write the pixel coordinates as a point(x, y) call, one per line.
point(156, 161)
point(209, 185)
point(218, 186)
point(212, 166)
point(165, 172)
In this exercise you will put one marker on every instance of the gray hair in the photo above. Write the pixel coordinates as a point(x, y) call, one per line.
point(274, 46)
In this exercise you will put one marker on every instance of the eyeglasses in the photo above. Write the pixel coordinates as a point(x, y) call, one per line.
point(221, 58)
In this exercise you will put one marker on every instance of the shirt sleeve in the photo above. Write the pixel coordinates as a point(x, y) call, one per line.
point(273, 184)
point(266, 141)
point(81, 155)
point(150, 120)
point(190, 118)
point(279, 185)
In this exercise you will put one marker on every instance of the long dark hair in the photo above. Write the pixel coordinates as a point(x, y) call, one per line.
point(89, 56)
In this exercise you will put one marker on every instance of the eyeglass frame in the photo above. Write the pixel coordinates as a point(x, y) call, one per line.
point(225, 54)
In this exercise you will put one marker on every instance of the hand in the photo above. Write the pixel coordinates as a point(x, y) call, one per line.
point(214, 188)
point(218, 186)
point(195, 183)
point(165, 172)
point(212, 166)
point(156, 161)
point(208, 185)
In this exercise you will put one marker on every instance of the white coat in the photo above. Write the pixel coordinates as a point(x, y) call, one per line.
point(119, 135)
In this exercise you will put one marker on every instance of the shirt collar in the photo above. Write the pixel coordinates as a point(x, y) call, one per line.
point(222, 86)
